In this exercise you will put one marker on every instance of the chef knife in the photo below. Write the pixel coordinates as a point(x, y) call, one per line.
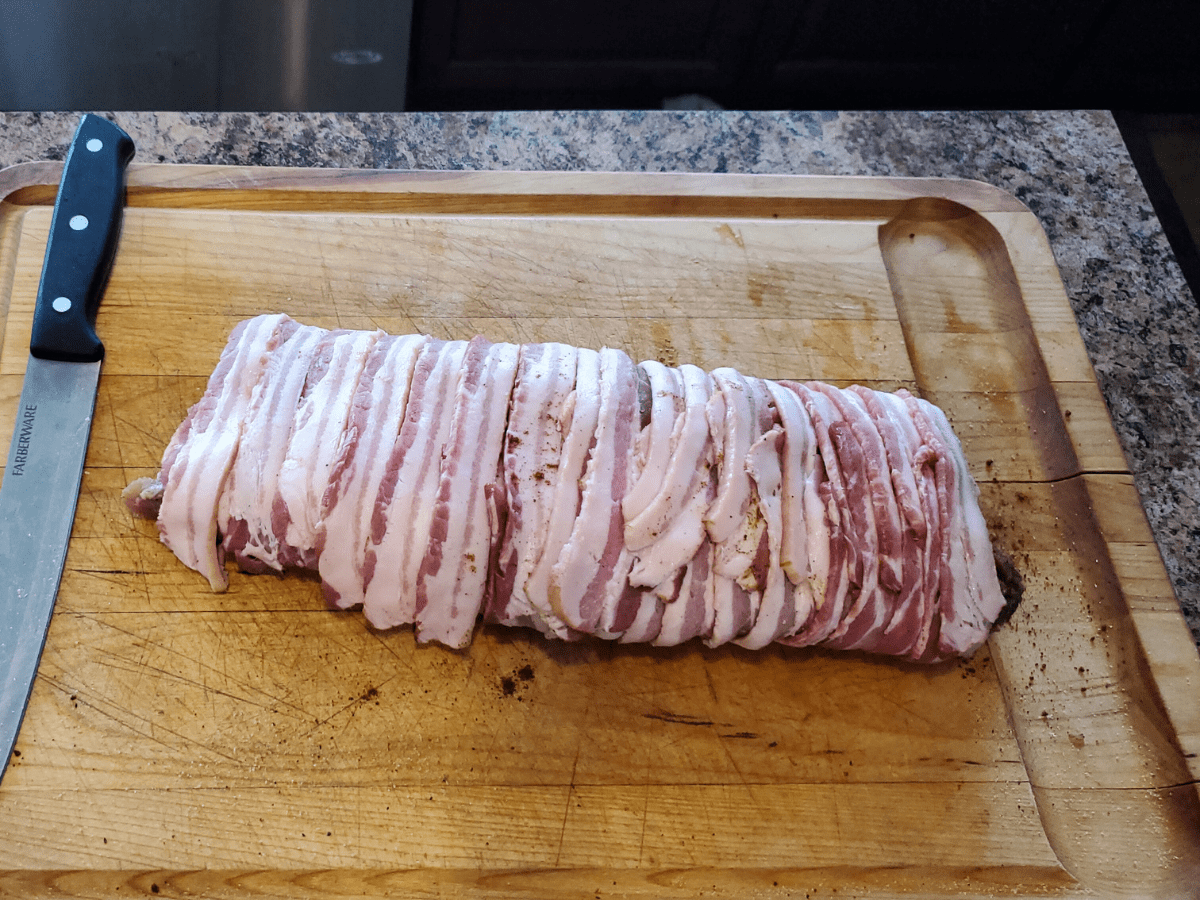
point(54, 417)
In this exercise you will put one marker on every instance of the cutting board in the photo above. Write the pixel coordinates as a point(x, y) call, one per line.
point(254, 743)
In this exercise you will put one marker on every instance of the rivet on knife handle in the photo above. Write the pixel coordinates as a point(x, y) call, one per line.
point(83, 237)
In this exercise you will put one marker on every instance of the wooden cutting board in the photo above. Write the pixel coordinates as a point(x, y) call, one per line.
point(252, 743)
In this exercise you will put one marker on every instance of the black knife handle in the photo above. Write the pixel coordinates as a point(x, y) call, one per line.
point(82, 244)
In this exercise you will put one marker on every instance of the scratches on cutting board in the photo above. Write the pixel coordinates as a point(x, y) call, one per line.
point(685, 719)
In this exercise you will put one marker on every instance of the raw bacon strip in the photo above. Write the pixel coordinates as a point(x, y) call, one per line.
point(689, 443)
point(667, 533)
point(834, 514)
point(966, 617)
point(922, 464)
point(900, 442)
point(450, 582)
point(533, 451)
point(589, 557)
point(865, 615)
point(376, 413)
point(647, 622)
point(496, 504)
point(868, 626)
point(744, 555)
point(200, 454)
point(818, 520)
point(729, 610)
point(776, 613)
point(320, 420)
point(676, 546)
point(903, 635)
point(684, 618)
point(939, 481)
point(733, 432)
point(657, 441)
point(736, 525)
point(620, 600)
point(254, 534)
point(885, 510)
point(407, 493)
point(797, 462)
point(581, 416)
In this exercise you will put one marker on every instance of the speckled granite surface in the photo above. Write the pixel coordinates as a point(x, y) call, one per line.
point(1138, 319)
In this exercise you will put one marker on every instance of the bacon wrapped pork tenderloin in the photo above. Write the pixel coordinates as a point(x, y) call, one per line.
point(434, 483)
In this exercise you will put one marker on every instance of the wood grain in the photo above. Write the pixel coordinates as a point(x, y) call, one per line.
point(254, 743)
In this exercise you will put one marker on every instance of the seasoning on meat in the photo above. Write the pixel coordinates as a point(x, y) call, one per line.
point(436, 483)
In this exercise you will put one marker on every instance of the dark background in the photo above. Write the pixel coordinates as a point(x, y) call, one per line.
point(392, 55)
point(1136, 58)
point(771, 54)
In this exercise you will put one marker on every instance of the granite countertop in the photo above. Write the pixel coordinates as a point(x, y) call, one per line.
point(1138, 319)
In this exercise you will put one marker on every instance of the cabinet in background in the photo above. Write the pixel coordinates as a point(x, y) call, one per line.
point(810, 54)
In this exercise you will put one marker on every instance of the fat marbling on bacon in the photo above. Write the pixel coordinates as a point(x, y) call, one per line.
point(438, 483)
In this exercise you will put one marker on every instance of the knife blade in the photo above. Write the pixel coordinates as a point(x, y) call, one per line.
point(40, 486)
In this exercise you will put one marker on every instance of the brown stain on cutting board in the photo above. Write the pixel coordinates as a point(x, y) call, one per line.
point(767, 285)
point(726, 233)
point(664, 348)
